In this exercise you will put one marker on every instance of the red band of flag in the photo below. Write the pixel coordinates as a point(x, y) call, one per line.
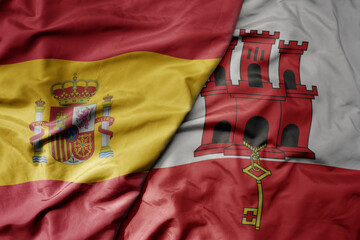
point(35, 124)
point(107, 119)
point(47, 29)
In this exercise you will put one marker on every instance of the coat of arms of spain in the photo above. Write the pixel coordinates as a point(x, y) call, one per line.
point(71, 125)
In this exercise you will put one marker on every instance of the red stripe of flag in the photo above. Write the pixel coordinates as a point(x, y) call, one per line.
point(66, 210)
point(68, 152)
point(53, 142)
point(63, 142)
point(205, 200)
point(57, 145)
point(90, 30)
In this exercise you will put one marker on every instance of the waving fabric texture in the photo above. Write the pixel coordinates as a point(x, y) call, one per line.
point(270, 149)
point(91, 93)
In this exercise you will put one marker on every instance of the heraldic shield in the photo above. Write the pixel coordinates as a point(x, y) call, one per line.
point(72, 135)
point(72, 124)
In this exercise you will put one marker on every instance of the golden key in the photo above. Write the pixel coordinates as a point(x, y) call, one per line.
point(253, 215)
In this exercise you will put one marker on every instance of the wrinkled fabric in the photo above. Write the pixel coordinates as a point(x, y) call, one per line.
point(91, 93)
point(90, 30)
point(205, 185)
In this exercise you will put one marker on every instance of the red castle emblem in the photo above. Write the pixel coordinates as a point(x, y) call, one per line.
point(71, 126)
point(249, 117)
point(252, 110)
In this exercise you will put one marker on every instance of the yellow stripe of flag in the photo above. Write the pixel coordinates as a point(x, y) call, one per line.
point(151, 95)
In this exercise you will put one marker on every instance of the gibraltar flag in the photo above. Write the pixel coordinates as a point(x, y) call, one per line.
point(271, 148)
point(91, 93)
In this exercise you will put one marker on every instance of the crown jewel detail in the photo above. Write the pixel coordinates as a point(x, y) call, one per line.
point(74, 92)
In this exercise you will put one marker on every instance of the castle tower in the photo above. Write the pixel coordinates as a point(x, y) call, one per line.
point(254, 66)
point(258, 108)
point(218, 132)
point(296, 112)
point(289, 66)
point(221, 74)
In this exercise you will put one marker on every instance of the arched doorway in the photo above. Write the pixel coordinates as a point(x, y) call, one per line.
point(220, 76)
point(221, 132)
point(254, 75)
point(256, 131)
point(289, 79)
point(290, 136)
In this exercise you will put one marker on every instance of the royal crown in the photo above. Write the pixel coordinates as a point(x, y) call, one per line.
point(40, 103)
point(74, 92)
point(107, 101)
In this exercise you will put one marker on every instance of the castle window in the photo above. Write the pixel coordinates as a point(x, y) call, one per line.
point(290, 136)
point(254, 75)
point(256, 53)
point(256, 131)
point(220, 77)
point(289, 79)
point(262, 55)
point(221, 132)
point(249, 54)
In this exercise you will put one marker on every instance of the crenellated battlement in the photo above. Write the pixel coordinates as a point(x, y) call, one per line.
point(263, 34)
point(233, 43)
point(254, 68)
point(293, 45)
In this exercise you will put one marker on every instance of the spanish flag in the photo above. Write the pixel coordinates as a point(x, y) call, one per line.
point(270, 150)
point(91, 93)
